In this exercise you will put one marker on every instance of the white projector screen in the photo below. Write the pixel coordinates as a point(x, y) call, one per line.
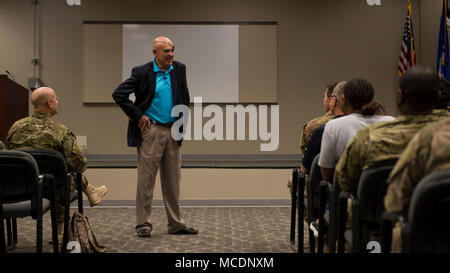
point(210, 52)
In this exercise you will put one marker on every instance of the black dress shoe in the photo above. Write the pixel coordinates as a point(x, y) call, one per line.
point(186, 231)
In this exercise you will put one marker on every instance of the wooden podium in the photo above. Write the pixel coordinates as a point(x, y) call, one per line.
point(13, 104)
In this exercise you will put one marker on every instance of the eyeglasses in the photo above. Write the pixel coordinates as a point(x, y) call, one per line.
point(334, 96)
point(169, 50)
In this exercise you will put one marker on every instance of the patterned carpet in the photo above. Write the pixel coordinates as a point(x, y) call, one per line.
point(222, 230)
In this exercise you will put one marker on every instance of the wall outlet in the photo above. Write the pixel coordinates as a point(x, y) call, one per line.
point(82, 142)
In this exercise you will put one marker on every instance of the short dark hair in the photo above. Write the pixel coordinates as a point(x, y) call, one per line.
point(330, 87)
point(421, 85)
point(444, 96)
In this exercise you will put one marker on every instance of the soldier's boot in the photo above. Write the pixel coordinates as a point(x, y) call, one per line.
point(95, 194)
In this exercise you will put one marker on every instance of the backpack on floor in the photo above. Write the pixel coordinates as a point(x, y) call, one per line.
point(81, 232)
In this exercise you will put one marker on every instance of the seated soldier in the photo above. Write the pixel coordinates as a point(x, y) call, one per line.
point(40, 132)
point(311, 125)
point(443, 104)
point(357, 104)
point(418, 93)
point(313, 147)
point(428, 151)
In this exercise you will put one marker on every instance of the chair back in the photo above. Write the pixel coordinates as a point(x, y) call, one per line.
point(50, 162)
point(428, 215)
point(371, 190)
point(19, 176)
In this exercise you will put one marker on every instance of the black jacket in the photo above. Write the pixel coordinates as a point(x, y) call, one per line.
point(143, 83)
point(314, 145)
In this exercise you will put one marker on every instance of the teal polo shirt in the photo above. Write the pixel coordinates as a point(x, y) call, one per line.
point(162, 103)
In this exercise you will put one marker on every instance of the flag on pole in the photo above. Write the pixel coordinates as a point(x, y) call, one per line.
point(443, 64)
point(407, 49)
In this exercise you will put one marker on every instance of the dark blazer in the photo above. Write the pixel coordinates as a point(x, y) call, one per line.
point(143, 83)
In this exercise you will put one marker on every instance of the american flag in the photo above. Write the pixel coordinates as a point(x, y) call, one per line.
point(407, 49)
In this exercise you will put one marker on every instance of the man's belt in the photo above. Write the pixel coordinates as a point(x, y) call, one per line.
point(167, 125)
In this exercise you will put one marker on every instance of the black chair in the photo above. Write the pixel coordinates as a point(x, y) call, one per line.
point(53, 162)
point(298, 187)
point(426, 227)
point(328, 196)
point(367, 208)
point(313, 187)
point(21, 193)
point(332, 219)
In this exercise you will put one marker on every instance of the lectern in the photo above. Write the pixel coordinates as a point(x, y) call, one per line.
point(13, 104)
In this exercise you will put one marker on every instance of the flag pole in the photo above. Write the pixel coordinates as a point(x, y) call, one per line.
point(413, 55)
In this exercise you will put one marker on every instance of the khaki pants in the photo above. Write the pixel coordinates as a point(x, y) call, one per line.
point(159, 151)
point(396, 245)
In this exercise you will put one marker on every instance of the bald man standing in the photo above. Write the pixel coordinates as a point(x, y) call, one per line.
point(158, 86)
point(40, 131)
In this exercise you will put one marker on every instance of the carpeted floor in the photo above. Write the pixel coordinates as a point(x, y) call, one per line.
point(222, 230)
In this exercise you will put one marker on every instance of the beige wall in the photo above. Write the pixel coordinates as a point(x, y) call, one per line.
point(318, 41)
point(200, 184)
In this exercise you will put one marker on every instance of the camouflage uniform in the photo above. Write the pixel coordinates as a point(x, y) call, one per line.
point(441, 112)
point(2, 146)
point(309, 127)
point(40, 132)
point(379, 142)
point(428, 151)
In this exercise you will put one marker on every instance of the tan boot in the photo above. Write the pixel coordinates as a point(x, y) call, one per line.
point(94, 194)
point(60, 234)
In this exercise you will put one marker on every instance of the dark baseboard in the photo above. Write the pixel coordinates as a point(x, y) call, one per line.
point(216, 161)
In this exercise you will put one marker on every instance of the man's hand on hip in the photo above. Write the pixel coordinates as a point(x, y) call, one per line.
point(144, 122)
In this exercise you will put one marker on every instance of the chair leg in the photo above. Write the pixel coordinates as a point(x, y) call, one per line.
point(332, 224)
point(54, 230)
point(9, 232)
point(14, 235)
point(2, 235)
point(301, 207)
point(2, 225)
point(293, 204)
point(341, 221)
point(39, 217)
point(312, 240)
point(80, 192)
point(322, 204)
point(39, 232)
point(66, 215)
